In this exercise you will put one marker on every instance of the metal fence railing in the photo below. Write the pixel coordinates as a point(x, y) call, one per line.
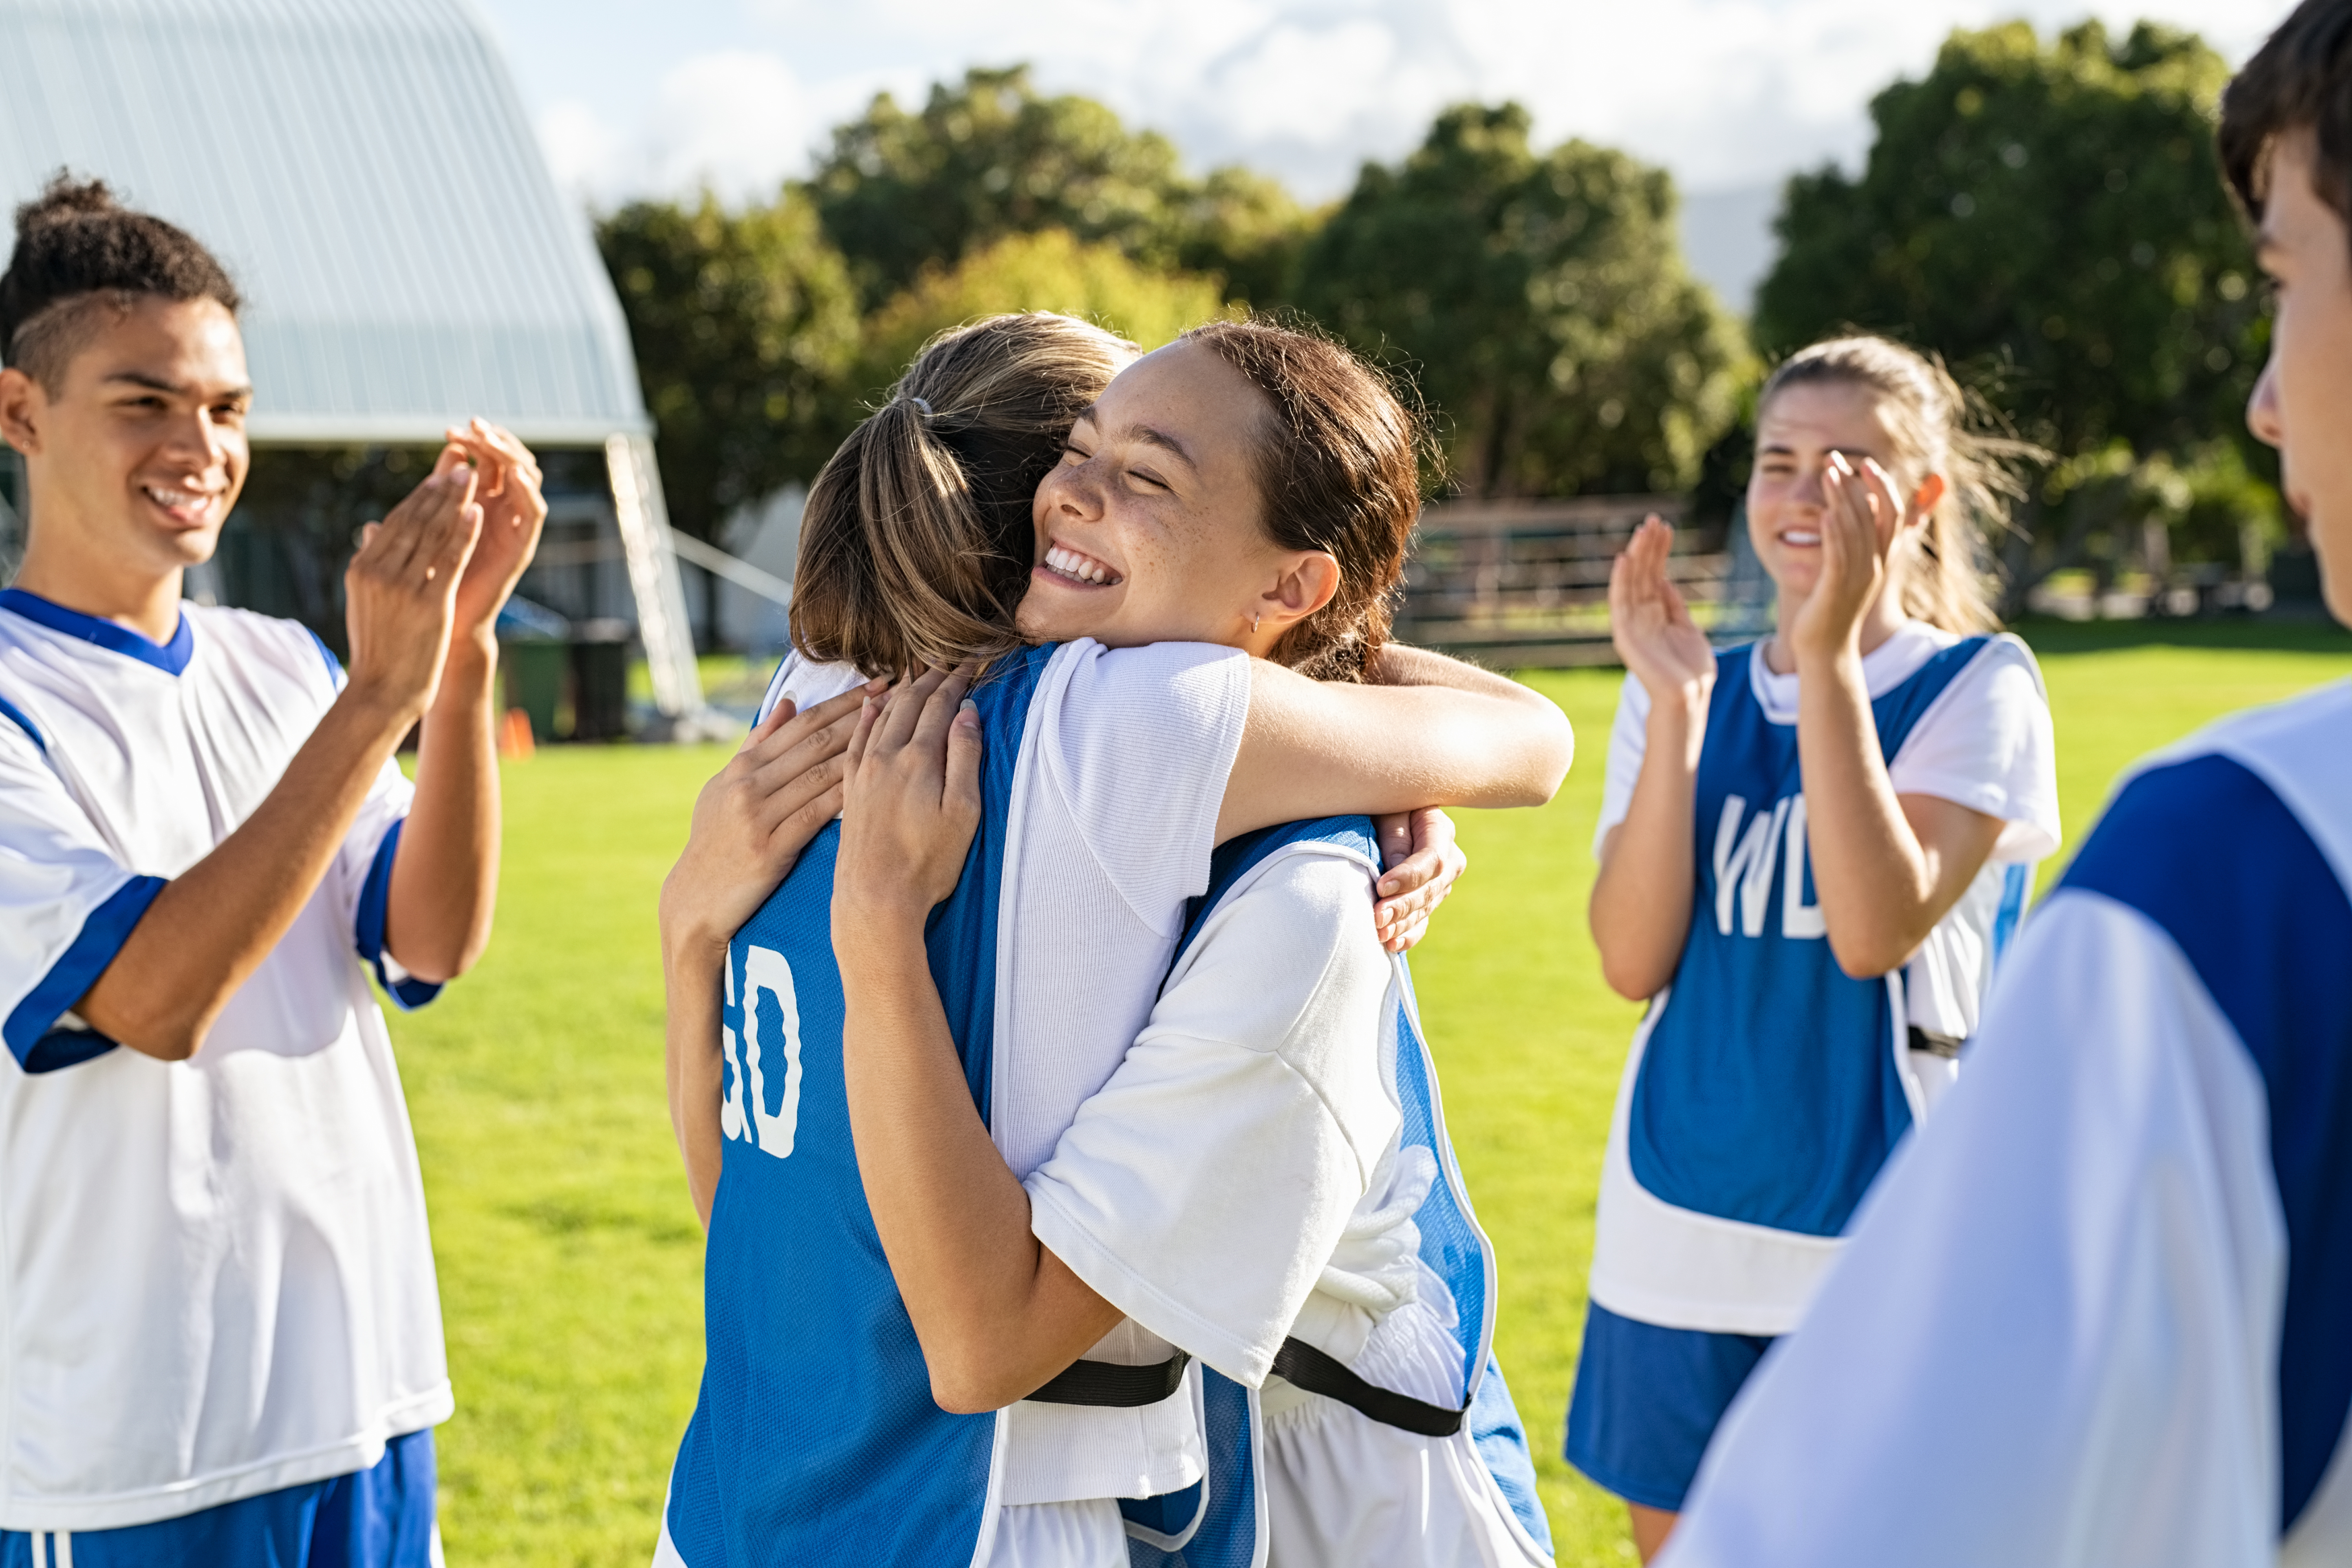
point(1518, 583)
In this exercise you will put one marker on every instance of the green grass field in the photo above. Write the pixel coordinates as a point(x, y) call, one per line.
point(570, 1263)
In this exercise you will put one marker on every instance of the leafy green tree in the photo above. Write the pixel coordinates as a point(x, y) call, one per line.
point(1244, 228)
point(1543, 302)
point(986, 157)
point(2050, 217)
point(745, 325)
point(991, 156)
point(1050, 271)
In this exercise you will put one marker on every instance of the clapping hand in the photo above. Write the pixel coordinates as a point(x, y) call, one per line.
point(509, 488)
point(1650, 623)
point(399, 588)
point(1859, 523)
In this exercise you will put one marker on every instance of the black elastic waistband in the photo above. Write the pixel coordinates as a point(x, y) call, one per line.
point(1935, 1044)
point(1304, 1366)
point(1107, 1384)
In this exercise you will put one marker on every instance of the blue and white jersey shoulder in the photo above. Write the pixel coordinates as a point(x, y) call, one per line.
point(1766, 1087)
point(2107, 1289)
point(122, 763)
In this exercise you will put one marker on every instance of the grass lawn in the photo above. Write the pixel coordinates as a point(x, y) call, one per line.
point(570, 1260)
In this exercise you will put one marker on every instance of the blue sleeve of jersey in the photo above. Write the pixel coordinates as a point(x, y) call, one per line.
point(16, 715)
point(334, 664)
point(2208, 851)
point(31, 1031)
point(407, 991)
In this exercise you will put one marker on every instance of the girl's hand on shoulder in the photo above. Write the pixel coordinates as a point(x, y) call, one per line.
point(1858, 528)
point(755, 816)
point(1650, 623)
point(1419, 864)
point(911, 806)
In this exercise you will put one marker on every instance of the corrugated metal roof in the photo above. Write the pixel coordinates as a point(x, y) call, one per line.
point(365, 169)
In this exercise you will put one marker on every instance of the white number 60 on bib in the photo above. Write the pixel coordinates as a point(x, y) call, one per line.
point(745, 1115)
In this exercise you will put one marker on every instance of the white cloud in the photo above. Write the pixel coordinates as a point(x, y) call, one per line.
point(736, 121)
point(1725, 92)
point(581, 149)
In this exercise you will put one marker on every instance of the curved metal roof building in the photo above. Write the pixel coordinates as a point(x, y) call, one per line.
point(365, 169)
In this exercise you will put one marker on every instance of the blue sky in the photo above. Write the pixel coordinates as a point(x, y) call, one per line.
point(1731, 95)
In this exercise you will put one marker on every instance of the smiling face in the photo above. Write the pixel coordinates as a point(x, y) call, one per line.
point(1796, 431)
point(1149, 530)
point(2302, 404)
point(137, 458)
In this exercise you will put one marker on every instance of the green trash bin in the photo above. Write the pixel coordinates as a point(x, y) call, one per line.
point(534, 683)
point(531, 662)
point(600, 680)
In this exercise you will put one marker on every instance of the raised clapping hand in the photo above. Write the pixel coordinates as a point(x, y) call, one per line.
point(911, 803)
point(1650, 623)
point(755, 816)
point(1859, 523)
point(400, 590)
point(514, 509)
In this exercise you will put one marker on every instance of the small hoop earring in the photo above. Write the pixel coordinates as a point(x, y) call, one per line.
point(1254, 621)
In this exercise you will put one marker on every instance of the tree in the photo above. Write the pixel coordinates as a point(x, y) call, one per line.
point(987, 157)
point(1046, 271)
point(2051, 219)
point(1543, 302)
point(991, 156)
point(744, 326)
point(1244, 229)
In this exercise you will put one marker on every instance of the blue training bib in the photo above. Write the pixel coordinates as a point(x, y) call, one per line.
point(1770, 1087)
point(816, 1438)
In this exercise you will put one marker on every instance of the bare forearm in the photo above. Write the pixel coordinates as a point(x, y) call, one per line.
point(996, 1314)
point(693, 978)
point(1875, 882)
point(1312, 748)
point(211, 927)
point(1400, 664)
point(1641, 909)
point(444, 879)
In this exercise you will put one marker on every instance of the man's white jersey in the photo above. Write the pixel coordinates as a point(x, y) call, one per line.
point(2096, 1313)
point(218, 1281)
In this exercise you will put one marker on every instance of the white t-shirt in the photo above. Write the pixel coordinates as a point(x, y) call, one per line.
point(1115, 800)
point(1987, 743)
point(1240, 1180)
point(218, 1278)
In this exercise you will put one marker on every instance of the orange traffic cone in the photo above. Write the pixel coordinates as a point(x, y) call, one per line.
point(514, 735)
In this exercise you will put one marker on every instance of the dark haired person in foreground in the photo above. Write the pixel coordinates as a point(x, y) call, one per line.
point(222, 1337)
point(2096, 1313)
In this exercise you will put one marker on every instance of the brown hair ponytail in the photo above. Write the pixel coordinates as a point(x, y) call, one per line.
point(916, 543)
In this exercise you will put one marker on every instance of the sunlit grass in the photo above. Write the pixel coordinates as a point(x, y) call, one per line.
point(570, 1260)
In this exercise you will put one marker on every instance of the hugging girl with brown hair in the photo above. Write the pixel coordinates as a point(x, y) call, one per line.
point(1003, 1232)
